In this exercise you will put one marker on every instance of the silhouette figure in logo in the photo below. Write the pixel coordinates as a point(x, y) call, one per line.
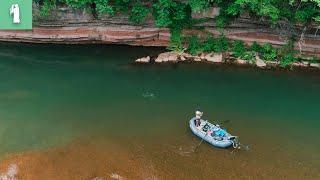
point(15, 13)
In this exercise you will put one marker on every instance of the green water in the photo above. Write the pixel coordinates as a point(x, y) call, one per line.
point(52, 95)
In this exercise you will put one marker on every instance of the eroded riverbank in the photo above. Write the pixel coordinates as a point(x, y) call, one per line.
point(227, 58)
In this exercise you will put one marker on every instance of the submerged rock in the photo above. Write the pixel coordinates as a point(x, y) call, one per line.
point(11, 173)
point(216, 58)
point(98, 178)
point(148, 95)
point(143, 60)
point(260, 63)
point(116, 176)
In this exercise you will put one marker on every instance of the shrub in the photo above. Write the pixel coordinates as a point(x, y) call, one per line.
point(46, 7)
point(138, 13)
point(175, 43)
point(209, 44)
point(255, 47)
point(222, 44)
point(287, 48)
point(315, 60)
point(103, 7)
point(194, 46)
point(287, 60)
point(268, 52)
point(249, 56)
point(239, 49)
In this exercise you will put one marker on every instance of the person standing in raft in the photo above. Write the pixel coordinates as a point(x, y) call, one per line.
point(197, 121)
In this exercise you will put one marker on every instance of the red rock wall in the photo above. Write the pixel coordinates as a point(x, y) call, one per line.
point(66, 26)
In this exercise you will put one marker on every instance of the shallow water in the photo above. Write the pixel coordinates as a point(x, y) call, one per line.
point(58, 98)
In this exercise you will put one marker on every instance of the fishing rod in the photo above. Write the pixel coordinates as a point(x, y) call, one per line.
point(201, 139)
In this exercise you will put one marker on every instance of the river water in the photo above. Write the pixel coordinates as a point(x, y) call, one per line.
point(85, 112)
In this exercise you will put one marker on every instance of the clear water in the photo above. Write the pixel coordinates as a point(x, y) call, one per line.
point(52, 95)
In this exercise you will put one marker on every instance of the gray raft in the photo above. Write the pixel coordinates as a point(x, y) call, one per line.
point(221, 142)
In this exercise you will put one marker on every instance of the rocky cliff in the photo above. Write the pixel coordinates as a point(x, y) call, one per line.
point(68, 26)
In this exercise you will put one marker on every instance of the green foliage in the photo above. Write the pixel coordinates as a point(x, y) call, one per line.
point(173, 14)
point(288, 54)
point(306, 13)
point(176, 15)
point(255, 47)
point(222, 44)
point(138, 13)
point(228, 11)
point(175, 43)
point(162, 10)
point(287, 60)
point(239, 49)
point(46, 7)
point(249, 56)
point(194, 45)
point(96, 6)
point(221, 21)
point(103, 7)
point(198, 5)
point(209, 44)
point(122, 6)
point(268, 52)
point(302, 11)
point(288, 48)
point(79, 4)
point(315, 60)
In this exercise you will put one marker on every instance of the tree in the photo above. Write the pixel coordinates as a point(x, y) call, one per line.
point(97, 7)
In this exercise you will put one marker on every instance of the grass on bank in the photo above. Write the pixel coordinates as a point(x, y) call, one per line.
point(285, 55)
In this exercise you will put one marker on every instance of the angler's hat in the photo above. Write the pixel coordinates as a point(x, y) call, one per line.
point(199, 114)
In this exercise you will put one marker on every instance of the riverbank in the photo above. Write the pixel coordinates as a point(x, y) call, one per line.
point(105, 32)
point(65, 25)
point(225, 58)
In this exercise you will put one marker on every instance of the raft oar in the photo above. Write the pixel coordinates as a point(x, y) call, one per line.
point(222, 122)
point(199, 143)
point(201, 140)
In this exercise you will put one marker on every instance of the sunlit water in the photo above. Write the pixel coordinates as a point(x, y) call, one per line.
point(51, 96)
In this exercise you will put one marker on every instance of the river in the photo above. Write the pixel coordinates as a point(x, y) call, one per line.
point(85, 112)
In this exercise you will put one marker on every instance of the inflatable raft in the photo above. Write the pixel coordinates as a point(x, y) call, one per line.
point(213, 134)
